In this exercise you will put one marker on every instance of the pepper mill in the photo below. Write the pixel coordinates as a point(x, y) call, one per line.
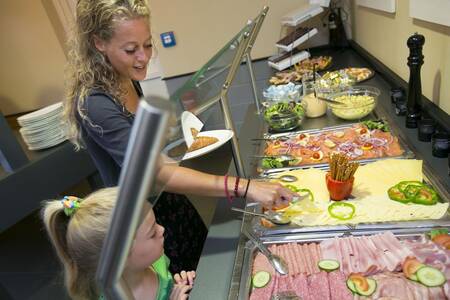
point(415, 62)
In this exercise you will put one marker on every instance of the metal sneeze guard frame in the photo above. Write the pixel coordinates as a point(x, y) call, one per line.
point(135, 184)
point(242, 44)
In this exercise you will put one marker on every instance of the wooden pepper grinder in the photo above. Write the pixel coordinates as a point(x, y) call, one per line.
point(415, 62)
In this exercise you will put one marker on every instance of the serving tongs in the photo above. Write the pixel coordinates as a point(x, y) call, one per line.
point(277, 262)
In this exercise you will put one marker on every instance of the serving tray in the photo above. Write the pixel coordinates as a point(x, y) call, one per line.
point(360, 227)
point(250, 250)
point(407, 154)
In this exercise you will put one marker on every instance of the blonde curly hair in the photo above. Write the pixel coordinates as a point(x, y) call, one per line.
point(88, 69)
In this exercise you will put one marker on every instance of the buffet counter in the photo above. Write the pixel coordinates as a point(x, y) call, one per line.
point(221, 264)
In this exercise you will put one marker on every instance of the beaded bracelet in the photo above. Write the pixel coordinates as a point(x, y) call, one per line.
point(236, 186)
point(227, 194)
point(246, 189)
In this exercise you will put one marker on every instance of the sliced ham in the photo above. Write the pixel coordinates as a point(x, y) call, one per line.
point(301, 260)
point(261, 263)
point(318, 286)
point(314, 257)
point(308, 259)
point(264, 293)
point(338, 286)
point(300, 286)
point(296, 268)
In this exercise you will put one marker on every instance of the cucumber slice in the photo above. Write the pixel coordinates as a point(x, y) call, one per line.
point(351, 286)
point(370, 290)
point(430, 276)
point(261, 279)
point(413, 277)
point(328, 265)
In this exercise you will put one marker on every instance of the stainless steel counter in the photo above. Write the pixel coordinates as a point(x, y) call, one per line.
point(219, 270)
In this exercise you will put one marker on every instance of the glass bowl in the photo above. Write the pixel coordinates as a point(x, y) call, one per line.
point(358, 102)
point(284, 116)
point(282, 93)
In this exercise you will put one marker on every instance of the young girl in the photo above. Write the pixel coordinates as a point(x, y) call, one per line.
point(77, 228)
point(109, 53)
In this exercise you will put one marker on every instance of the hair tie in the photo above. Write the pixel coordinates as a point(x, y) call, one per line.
point(70, 205)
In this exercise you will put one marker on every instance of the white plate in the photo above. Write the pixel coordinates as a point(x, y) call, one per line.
point(223, 136)
point(46, 111)
point(188, 121)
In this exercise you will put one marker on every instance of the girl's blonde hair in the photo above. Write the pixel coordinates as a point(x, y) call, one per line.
point(78, 239)
point(88, 68)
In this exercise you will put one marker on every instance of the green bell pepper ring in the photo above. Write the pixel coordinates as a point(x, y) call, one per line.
point(426, 196)
point(396, 194)
point(404, 184)
point(411, 191)
point(308, 192)
point(341, 210)
point(292, 188)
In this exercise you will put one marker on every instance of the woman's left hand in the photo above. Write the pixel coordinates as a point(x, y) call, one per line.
point(270, 195)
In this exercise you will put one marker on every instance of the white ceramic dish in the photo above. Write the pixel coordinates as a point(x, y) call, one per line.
point(41, 113)
point(188, 121)
point(223, 136)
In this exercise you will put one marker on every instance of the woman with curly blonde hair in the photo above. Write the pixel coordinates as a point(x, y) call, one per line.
point(109, 53)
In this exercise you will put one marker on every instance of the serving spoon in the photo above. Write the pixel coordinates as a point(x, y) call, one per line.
point(277, 262)
point(272, 216)
point(284, 178)
point(280, 138)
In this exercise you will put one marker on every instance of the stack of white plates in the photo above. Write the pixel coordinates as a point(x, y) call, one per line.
point(43, 128)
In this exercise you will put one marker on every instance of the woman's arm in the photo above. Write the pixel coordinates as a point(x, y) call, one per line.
point(183, 180)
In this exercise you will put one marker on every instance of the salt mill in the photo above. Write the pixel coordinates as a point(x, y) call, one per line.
point(415, 62)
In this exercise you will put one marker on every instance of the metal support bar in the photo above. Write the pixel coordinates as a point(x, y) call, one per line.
point(209, 103)
point(12, 155)
point(253, 35)
point(136, 183)
point(234, 140)
point(217, 73)
point(253, 81)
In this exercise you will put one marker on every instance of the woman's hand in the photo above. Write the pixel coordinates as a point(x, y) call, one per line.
point(269, 194)
point(186, 278)
point(180, 292)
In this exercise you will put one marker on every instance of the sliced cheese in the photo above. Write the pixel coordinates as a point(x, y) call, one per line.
point(371, 201)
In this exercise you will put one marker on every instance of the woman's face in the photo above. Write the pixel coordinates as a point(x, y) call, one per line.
point(130, 48)
point(148, 244)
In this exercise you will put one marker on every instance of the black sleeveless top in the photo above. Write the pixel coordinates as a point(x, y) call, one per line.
point(105, 135)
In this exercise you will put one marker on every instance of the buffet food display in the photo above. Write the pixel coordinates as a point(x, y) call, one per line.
point(301, 68)
point(376, 196)
point(357, 228)
point(374, 266)
point(360, 141)
point(360, 74)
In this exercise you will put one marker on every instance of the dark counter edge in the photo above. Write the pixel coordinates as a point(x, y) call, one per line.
point(58, 169)
point(216, 242)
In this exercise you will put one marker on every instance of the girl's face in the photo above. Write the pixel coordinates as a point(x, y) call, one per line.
point(148, 244)
point(130, 48)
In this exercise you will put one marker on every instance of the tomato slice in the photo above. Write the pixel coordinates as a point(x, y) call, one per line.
point(267, 223)
point(367, 146)
point(360, 281)
point(280, 206)
point(410, 266)
point(441, 239)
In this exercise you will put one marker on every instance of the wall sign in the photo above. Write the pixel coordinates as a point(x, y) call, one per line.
point(383, 5)
point(435, 11)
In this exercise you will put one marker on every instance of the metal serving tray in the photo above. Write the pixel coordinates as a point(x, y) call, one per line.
point(408, 153)
point(416, 224)
point(250, 249)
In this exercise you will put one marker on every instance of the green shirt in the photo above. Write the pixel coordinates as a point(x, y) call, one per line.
point(165, 280)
